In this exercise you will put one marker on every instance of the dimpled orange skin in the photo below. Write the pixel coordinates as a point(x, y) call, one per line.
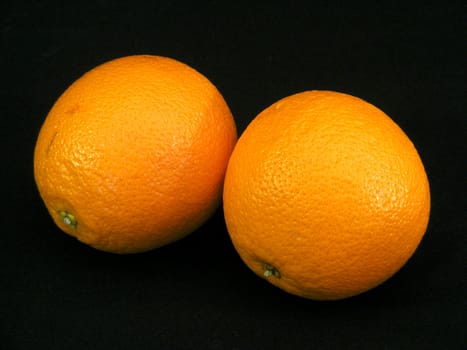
point(325, 196)
point(132, 156)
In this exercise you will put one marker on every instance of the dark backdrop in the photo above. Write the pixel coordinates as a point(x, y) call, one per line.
point(408, 60)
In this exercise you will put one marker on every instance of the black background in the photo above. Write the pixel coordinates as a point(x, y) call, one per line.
point(408, 60)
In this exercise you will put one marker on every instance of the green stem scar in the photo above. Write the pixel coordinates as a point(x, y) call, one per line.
point(270, 270)
point(68, 219)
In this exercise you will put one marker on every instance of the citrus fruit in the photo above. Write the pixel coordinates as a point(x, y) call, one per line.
point(325, 196)
point(132, 155)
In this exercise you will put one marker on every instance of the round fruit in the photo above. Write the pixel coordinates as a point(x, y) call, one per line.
point(132, 156)
point(325, 196)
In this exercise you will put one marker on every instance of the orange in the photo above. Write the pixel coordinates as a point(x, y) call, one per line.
point(325, 196)
point(132, 156)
